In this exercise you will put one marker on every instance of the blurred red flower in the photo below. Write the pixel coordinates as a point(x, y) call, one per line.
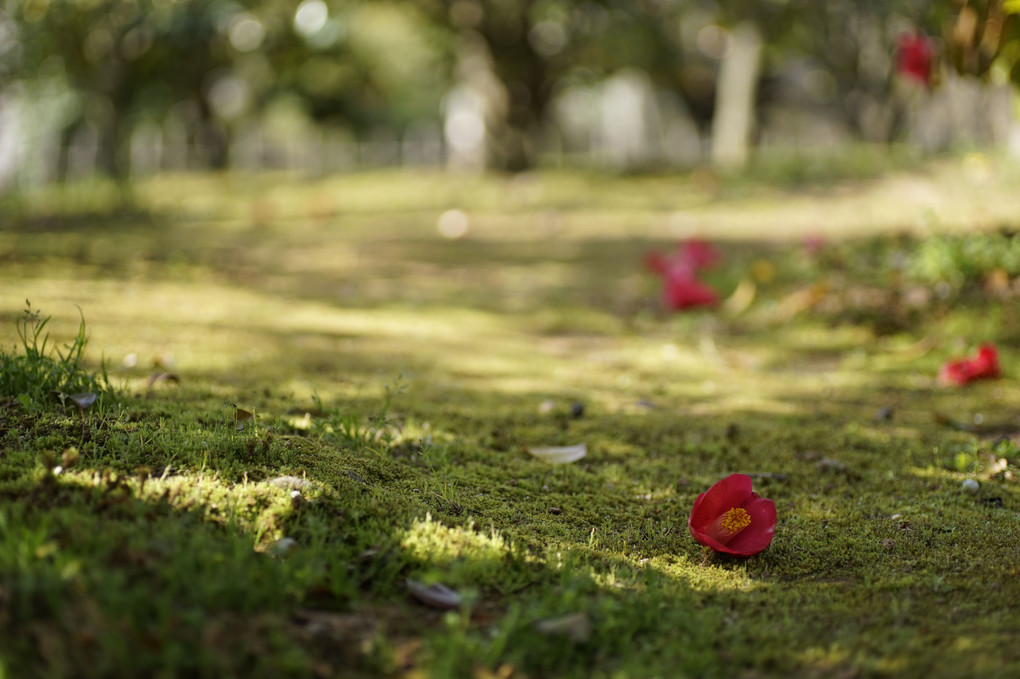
point(983, 366)
point(731, 518)
point(681, 288)
point(915, 57)
point(679, 292)
point(813, 244)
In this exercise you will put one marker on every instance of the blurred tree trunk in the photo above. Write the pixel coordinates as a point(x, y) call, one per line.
point(64, 141)
point(734, 118)
point(212, 141)
point(111, 154)
point(476, 109)
point(525, 78)
point(501, 76)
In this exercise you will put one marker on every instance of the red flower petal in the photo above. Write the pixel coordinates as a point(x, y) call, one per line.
point(955, 372)
point(681, 293)
point(699, 254)
point(733, 491)
point(758, 536)
point(987, 362)
point(657, 262)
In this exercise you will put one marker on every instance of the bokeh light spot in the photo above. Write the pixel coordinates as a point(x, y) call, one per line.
point(453, 224)
point(246, 33)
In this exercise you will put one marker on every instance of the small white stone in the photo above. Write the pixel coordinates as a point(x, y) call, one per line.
point(970, 485)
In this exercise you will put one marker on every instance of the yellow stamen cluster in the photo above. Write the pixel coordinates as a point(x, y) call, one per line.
point(728, 524)
point(735, 520)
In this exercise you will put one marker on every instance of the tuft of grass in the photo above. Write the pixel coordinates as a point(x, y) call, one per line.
point(35, 378)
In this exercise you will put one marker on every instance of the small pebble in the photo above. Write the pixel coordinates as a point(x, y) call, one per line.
point(970, 485)
point(884, 414)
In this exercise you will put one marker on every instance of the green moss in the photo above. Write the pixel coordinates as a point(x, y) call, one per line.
point(398, 380)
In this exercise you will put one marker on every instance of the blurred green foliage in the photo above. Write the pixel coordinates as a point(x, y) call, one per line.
point(959, 260)
point(213, 69)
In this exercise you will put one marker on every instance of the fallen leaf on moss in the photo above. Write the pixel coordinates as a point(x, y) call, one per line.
point(827, 464)
point(282, 546)
point(290, 482)
point(997, 281)
point(574, 626)
point(803, 300)
point(741, 298)
point(559, 454)
point(763, 270)
point(243, 417)
point(69, 457)
point(83, 400)
point(947, 421)
point(157, 378)
point(437, 595)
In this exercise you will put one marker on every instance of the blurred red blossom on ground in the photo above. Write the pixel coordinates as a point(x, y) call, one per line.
point(681, 288)
point(983, 366)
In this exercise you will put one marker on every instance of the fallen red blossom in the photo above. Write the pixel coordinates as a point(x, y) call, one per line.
point(983, 366)
point(731, 518)
point(681, 288)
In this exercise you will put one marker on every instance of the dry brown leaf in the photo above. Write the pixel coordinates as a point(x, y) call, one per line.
point(69, 457)
point(803, 300)
point(243, 417)
point(156, 378)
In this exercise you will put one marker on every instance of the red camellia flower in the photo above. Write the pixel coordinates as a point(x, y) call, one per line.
point(915, 57)
point(983, 366)
point(733, 519)
point(681, 288)
point(681, 293)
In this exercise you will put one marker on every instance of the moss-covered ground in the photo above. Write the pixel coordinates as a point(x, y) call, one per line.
point(398, 377)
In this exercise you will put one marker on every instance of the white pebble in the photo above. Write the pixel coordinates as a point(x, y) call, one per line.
point(970, 485)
